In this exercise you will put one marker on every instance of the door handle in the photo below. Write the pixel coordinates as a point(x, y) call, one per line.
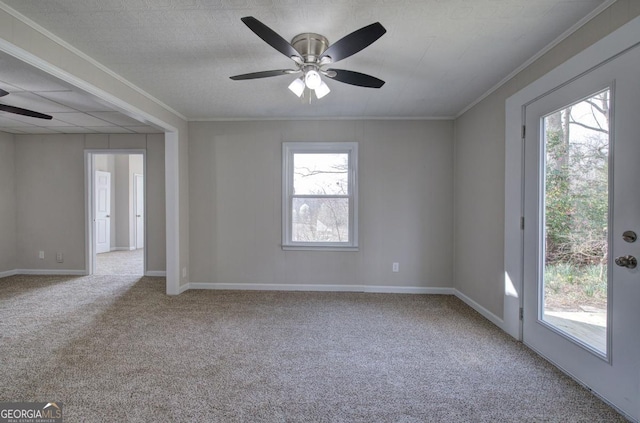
point(630, 262)
point(108, 215)
point(137, 215)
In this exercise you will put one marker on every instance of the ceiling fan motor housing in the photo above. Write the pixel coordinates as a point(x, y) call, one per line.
point(310, 46)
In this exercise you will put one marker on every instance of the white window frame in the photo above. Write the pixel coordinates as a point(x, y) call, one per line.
point(291, 148)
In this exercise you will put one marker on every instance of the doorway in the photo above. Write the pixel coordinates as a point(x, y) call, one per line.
point(116, 212)
point(581, 207)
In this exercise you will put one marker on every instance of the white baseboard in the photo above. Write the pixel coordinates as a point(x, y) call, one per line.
point(318, 287)
point(183, 288)
point(477, 307)
point(158, 273)
point(8, 273)
point(65, 272)
point(274, 287)
point(408, 290)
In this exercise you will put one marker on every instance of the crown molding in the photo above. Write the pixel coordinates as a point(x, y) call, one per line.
point(582, 22)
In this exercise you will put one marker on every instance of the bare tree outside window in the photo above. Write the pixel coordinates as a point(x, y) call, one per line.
point(319, 198)
point(320, 216)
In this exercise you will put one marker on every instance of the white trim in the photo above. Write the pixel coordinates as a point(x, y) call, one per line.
point(172, 204)
point(331, 247)
point(136, 177)
point(8, 273)
point(156, 273)
point(319, 288)
point(89, 161)
point(477, 307)
point(289, 150)
point(182, 288)
point(408, 290)
point(315, 118)
point(84, 56)
point(56, 272)
point(603, 50)
point(88, 213)
point(582, 22)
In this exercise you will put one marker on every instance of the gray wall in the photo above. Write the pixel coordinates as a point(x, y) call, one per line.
point(120, 185)
point(50, 200)
point(7, 203)
point(405, 195)
point(136, 166)
point(50, 196)
point(155, 202)
point(480, 167)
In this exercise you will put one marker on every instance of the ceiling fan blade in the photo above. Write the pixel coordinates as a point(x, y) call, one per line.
point(25, 112)
point(3, 92)
point(354, 42)
point(355, 78)
point(270, 37)
point(263, 74)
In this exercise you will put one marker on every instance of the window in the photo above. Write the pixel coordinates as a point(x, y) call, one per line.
point(320, 196)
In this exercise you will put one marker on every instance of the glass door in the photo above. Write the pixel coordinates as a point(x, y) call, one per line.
point(582, 210)
point(575, 224)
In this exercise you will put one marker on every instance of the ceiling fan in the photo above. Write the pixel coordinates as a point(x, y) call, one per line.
point(312, 55)
point(19, 111)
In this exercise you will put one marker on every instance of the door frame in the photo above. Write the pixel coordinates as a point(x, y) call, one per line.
point(603, 51)
point(136, 192)
point(608, 48)
point(89, 176)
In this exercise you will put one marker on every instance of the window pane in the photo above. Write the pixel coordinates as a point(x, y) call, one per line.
point(320, 220)
point(321, 174)
point(576, 218)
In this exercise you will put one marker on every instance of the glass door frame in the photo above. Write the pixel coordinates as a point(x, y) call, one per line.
point(607, 48)
point(541, 239)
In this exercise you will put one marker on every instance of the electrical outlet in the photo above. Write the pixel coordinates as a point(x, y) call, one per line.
point(41, 255)
point(184, 272)
point(395, 267)
point(59, 257)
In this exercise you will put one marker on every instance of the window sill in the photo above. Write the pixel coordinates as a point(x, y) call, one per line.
point(318, 248)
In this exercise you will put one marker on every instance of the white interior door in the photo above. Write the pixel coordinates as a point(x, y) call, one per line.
point(139, 209)
point(102, 196)
point(581, 205)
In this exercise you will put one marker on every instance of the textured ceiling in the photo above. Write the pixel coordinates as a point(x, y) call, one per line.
point(437, 56)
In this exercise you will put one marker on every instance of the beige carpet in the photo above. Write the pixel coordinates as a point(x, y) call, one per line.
point(120, 263)
point(117, 349)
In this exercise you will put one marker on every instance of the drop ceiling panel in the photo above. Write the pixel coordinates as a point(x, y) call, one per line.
point(80, 119)
point(36, 130)
point(33, 101)
point(144, 130)
point(116, 118)
point(110, 129)
point(74, 130)
point(12, 130)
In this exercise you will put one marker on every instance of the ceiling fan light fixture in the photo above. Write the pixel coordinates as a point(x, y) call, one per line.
point(297, 87)
point(322, 90)
point(312, 79)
